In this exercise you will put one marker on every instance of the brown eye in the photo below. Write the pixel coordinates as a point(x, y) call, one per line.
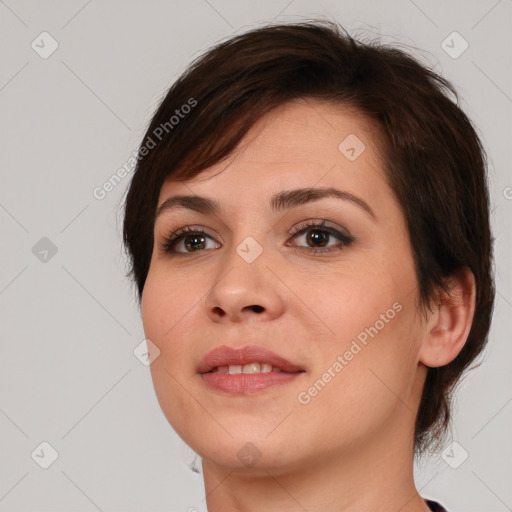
point(188, 240)
point(318, 236)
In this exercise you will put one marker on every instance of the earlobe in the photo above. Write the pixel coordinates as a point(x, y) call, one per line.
point(448, 326)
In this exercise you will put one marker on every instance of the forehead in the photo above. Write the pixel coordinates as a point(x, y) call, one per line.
point(303, 143)
point(306, 129)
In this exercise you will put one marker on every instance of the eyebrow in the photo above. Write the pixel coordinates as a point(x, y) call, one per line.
point(284, 200)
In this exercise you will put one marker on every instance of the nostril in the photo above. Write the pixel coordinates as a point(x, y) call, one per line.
point(256, 308)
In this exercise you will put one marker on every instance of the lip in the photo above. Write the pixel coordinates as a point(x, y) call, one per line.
point(245, 383)
point(225, 356)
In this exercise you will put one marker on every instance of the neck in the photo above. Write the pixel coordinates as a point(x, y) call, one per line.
point(375, 476)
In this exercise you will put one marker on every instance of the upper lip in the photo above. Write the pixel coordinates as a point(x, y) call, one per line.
point(225, 356)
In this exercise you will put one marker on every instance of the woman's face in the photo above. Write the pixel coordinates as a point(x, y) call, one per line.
point(338, 301)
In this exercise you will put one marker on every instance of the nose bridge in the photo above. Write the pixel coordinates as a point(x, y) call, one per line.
point(242, 286)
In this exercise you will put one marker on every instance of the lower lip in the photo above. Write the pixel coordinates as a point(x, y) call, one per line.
point(247, 383)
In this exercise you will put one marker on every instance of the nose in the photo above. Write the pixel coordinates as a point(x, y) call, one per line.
point(244, 291)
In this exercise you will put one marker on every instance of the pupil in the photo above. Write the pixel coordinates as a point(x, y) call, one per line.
point(192, 239)
point(317, 237)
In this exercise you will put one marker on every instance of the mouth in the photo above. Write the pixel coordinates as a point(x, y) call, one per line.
point(246, 370)
point(248, 359)
point(249, 368)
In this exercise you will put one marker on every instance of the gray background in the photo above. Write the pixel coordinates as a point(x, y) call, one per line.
point(69, 321)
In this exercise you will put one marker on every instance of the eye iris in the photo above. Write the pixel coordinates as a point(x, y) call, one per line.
point(317, 237)
point(191, 240)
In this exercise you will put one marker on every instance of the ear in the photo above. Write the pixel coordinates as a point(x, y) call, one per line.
point(447, 327)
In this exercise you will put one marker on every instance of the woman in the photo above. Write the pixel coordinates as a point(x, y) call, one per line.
point(308, 230)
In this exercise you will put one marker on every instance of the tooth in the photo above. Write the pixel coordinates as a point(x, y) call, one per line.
point(247, 368)
point(251, 368)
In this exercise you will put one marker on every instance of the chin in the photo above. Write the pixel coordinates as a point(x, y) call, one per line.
point(250, 458)
point(245, 450)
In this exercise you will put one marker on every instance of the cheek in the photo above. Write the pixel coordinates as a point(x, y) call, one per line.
point(350, 303)
point(167, 310)
point(372, 383)
point(373, 350)
point(388, 344)
point(166, 300)
point(169, 307)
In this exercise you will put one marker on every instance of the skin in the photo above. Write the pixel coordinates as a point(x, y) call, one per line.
point(351, 447)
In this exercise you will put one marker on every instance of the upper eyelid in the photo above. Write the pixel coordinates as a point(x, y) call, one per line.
point(315, 223)
point(175, 212)
point(311, 223)
point(193, 228)
point(298, 229)
point(175, 236)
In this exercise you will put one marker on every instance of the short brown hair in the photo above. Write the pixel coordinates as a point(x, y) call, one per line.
point(435, 162)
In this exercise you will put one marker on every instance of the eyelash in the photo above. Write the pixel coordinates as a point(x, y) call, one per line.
point(345, 241)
